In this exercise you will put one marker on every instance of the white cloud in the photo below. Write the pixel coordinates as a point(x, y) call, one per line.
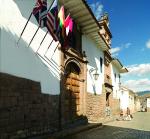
point(148, 44)
point(127, 45)
point(115, 51)
point(138, 85)
point(139, 70)
point(97, 9)
point(138, 77)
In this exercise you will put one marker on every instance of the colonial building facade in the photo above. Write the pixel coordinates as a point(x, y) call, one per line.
point(45, 88)
point(128, 99)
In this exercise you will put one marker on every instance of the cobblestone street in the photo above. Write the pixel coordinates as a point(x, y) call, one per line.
point(137, 128)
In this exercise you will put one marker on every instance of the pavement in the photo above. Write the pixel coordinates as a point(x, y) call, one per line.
point(137, 128)
point(69, 132)
point(140, 121)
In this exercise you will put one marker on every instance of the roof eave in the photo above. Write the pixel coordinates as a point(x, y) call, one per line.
point(84, 17)
point(118, 64)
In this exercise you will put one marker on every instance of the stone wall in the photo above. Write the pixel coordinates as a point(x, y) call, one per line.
point(24, 110)
point(115, 106)
point(148, 109)
point(95, 106)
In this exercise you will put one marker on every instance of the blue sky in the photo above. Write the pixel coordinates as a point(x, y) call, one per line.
point(130, 27)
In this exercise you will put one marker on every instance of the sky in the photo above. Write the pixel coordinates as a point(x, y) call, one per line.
point(130, 27)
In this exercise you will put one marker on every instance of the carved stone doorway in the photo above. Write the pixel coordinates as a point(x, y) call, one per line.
point(72, 92)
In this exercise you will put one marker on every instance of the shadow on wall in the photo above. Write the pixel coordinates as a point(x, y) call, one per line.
point(71, 107)
point(24, 110)
point(22, 61)
point(93, 83)
point(26, 7)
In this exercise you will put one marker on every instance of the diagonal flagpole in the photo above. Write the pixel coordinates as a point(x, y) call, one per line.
point(34, 36)
point(42, 41)
point(39, 25)
point(55, 49)
point(24, 28)
point(49, 46)
point(53, 53)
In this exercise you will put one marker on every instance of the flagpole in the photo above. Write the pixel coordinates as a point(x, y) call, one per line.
point(24, 28)
point(39, 25)
point(50, 5)
point(44, 38)
point(49, 46)
point(34, 36)
point(55, 49)
point(42, 41)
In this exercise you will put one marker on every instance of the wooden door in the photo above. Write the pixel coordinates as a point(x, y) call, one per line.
point(72, 95)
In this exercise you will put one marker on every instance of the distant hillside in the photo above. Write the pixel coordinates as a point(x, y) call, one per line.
point(143, 92)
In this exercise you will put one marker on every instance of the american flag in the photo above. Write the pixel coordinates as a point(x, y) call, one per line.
point(50, 25)
point(52, 20)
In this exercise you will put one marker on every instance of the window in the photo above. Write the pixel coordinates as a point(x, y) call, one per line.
point(119, 77)
point(101, 64)
point(115, 77)
point(74, 38)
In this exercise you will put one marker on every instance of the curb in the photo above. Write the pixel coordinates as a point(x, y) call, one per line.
point(69, 132)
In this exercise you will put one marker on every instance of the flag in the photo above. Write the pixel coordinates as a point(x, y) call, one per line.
point(37, 9)
point(61, 17)
point(67, 21)
point(54, 14)
point(68, 24)
point(50, 24)
point(52, 20)
point(43, 14)
point(40, 12)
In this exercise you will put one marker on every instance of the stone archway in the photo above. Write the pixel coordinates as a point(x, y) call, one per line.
point(71, 92)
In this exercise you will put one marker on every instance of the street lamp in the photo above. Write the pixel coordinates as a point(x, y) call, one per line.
point(96, 74)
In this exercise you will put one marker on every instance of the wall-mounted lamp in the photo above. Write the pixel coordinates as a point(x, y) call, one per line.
point(96, 74)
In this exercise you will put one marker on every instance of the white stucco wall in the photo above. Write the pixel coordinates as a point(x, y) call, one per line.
point(124, 99)
point(131, 103)
point(19, 60)
point(127, 99)
point(148, 102)
point(115, 83)
point(138, 105)
point(93, 56)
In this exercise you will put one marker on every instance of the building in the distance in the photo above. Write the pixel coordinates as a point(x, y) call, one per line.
point(148, 102)
point(117, 70)
point(127, 99)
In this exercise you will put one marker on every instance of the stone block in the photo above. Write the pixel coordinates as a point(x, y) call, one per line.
point(4, 122)
point(24, 107)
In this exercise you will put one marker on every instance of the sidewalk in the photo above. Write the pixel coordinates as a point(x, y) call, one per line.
point(68, 132)
point(137, 128)
point(72, 131)
point(140, 121)
point(90, 125)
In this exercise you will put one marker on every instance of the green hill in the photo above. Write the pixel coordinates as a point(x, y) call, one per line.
point(141, 93)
